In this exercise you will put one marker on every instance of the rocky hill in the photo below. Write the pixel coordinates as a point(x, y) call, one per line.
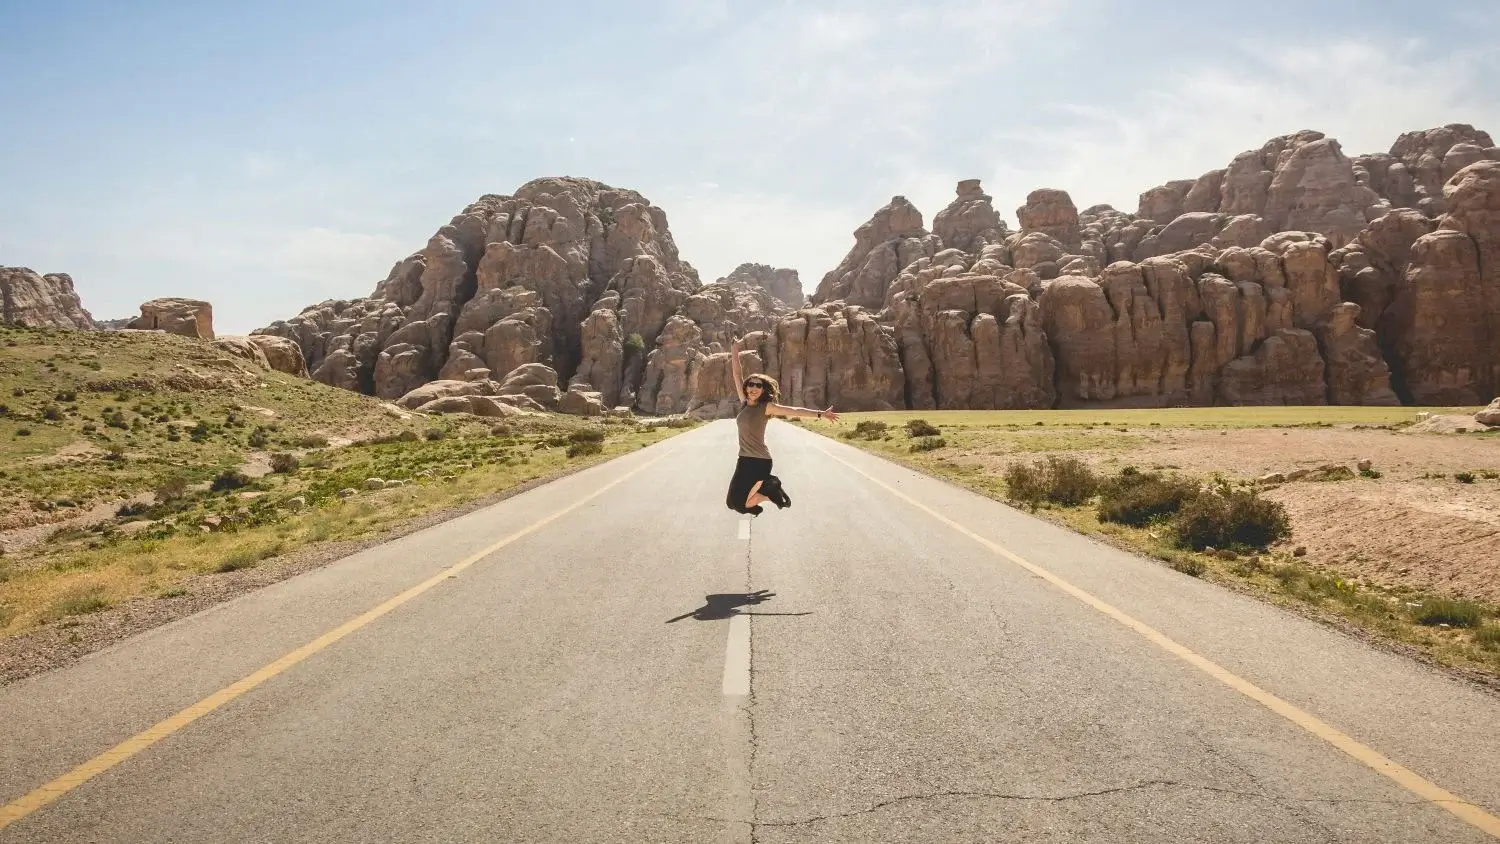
point(577, 281)
point(1295, 275)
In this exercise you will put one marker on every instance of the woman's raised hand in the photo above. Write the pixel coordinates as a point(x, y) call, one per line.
point(830, 415)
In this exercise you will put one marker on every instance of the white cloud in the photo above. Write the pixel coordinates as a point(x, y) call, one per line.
point(1360, 91)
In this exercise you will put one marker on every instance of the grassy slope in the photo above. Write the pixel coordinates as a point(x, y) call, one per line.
point(1276, 576)
point(116, 390)
point(88, 381)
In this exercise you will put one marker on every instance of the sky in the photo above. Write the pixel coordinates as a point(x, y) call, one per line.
point(267, 156)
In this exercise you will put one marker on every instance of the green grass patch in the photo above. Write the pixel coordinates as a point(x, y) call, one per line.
point(1453, 613)
point(80, 600)
point(194, 532)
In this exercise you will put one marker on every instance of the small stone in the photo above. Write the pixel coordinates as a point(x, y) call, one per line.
point(1366, 465)
point(347, 493)
point(296, 503)
point(1272, 478)
point(1299, 551)
point(374, 483)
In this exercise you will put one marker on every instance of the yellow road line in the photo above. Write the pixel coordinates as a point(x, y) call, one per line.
point(1404, 777)
point(42, 796)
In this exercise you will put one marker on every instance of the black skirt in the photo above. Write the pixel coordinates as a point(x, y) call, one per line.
point(747, 472)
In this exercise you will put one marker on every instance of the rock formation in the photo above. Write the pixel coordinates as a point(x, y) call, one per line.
point(569, 275)
point(185, 317)
point(1294, 275)
point(281, 354)
point(41, 301)
point(780, 283)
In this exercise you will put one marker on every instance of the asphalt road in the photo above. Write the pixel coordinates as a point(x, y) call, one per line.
point(892, 659)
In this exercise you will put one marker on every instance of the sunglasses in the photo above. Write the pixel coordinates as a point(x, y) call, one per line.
point(760, 384)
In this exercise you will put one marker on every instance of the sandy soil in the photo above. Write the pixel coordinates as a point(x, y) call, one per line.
point(1435, 534)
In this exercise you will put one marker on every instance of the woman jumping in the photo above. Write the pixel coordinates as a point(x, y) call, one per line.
point(753, 482)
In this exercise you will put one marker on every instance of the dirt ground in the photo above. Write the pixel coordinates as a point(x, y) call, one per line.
point(1409, 527)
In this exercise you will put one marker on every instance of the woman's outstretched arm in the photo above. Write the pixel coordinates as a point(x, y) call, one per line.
point(790, 411)
point(734, 363)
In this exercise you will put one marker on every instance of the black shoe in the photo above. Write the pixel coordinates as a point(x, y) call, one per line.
point(774, 491)
point(756, 510)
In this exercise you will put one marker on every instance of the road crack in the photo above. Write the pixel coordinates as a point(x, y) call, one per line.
point(749, 707)
point(1062, 798)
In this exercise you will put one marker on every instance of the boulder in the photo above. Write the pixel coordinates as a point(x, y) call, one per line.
point(282, 355)
point(185, 317)
point(1490, 415)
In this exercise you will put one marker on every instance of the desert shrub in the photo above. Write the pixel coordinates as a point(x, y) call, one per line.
point(245, 558)
point(435, 434)
point(635, 343)
point(1488, 636)
point(921, 428)
point(1337, 473)
point(1464, 477)
point(67, 396)
point(1059, 480)
point(23, 432)
point(869, 429)
point(229, 479)
point(386, 439)
point(1434, 611)
point(132, 509)
point(929, 444)
point(1135, 498)
point(284, 463)
point(1370, 473)
point(80, 600)
point(1229, 518)
point(504, 429)
point(52, 413)
point(260, 438)
point(312, 441)
point(171, 489)
point(586, 435)
point(578, 449)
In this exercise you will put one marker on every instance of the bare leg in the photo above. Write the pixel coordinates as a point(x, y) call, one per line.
point(755, 497)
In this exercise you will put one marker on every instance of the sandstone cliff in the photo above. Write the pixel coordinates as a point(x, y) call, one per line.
point(575, 276)
point(41, 301)
point(1294, 275)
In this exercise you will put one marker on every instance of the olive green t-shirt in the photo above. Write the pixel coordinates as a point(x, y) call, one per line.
point(752, 421)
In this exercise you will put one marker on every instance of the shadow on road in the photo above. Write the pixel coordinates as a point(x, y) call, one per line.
point(720, 607)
